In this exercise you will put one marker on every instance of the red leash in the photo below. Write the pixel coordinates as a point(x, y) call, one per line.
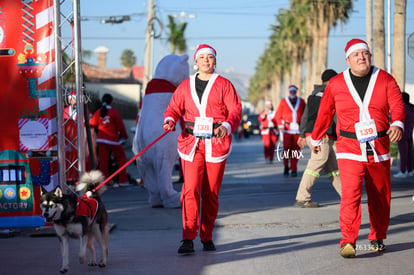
point(131, 160)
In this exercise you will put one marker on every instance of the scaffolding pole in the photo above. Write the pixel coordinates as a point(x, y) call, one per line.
point(67, 15)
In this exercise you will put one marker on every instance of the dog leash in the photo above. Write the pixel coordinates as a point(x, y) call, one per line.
point(131, 160)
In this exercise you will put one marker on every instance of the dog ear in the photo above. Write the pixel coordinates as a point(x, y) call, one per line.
point(58, 192)
point(42, 191)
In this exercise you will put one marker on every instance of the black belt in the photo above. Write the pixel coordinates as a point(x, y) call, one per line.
point(270, 128)
point(353, 135)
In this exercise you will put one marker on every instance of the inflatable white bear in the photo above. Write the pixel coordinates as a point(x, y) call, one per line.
point(157, 163)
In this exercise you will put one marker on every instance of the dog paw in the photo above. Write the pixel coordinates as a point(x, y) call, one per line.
point(101, 265)
point(92, 264)
point(63, 270)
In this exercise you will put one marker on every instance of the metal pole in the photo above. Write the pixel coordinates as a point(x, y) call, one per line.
point(78, 84)
point(59, 94)
point(148, 46)
point(389, 36)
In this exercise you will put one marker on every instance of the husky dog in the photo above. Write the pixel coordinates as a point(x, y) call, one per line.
point(82, 217)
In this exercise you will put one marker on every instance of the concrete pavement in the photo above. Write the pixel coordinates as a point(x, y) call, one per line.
point(258, 231)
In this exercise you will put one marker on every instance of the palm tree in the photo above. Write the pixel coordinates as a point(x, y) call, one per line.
point(398, 66)
point(368, 23)
point(128, 59)
point(300, 38)
point(327, 13)
point(176, 37)
point(379, 34)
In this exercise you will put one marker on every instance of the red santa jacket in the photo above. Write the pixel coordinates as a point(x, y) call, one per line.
point(382, 97)
point(289, 116)
point(109, 127)
point(220, 101)
point(266, 123)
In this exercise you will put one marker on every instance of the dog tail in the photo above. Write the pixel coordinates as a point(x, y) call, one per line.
point(91, 180)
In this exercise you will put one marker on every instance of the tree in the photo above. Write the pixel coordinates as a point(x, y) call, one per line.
point(379, 34)
point(299, 38)
point(128, 59)
point(368, 23)
point(176, 37)
point(398, 66)
point(324, 15)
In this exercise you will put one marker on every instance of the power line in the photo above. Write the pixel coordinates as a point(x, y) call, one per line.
point(208, 37)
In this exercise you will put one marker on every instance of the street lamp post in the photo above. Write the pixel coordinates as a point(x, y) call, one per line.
point(149, 39)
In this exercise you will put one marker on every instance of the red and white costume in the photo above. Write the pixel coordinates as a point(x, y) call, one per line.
point(269, 133)
point(382, 97)
point(110, 128)
point(71, 133)
point(203, 160)
point(288, 118)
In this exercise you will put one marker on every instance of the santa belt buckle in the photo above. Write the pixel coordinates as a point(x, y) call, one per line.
point(366, 131)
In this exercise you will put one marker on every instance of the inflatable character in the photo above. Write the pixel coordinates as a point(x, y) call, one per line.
point(156, 165)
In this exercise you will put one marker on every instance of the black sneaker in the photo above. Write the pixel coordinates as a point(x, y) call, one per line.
point(286, 172)
point(377, 246)
point(294, 174)
point(209, 246)
point(186, 248)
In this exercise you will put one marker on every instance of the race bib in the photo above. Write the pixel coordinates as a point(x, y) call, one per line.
point(366, 131)
point(203, 127)
point(294, 126)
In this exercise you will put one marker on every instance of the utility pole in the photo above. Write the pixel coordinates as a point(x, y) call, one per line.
point(149, 40)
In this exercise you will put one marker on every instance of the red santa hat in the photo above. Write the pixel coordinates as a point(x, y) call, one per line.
point(354, 45)
point(292, 89)
point(204, 48)
point(72, 95)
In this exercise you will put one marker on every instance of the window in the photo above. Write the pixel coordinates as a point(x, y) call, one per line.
point(12, 175)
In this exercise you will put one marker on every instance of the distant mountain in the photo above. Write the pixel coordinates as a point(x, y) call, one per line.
point(239, 80)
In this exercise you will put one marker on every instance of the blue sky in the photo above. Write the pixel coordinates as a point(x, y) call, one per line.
point(238, 30)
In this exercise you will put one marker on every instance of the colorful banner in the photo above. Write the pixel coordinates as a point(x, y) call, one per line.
point(28, 141)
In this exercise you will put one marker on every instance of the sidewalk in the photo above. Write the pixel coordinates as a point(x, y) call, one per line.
point(258, 231)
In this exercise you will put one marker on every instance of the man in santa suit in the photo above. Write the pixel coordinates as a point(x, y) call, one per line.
point(363, 97)
point(287, 118)
point(268, 131)
point(156, 165)
point(212, 111)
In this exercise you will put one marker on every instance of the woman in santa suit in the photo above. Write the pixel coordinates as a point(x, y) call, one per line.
point(288, 116)
point(71, 133)
point(268, 131)
point(70, 116)
point(212, 111)
point(110, 138)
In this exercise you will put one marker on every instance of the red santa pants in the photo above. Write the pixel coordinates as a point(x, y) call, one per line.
point(119, 153)
point(378, 187)
point(291, 150)
point(269, 143)
point(206, 177)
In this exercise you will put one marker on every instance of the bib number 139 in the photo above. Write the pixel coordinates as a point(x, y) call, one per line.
point(366, 130)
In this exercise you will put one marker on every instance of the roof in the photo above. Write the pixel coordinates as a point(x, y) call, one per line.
point(113, 75)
